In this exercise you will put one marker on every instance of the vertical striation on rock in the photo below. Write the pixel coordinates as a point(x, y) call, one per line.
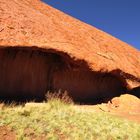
point(42, 49)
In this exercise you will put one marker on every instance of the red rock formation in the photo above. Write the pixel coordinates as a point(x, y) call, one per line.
point(126, 106)
point(44, 49)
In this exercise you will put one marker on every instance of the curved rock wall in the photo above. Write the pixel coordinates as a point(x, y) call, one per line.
point(85, 85)
point(23, 73)
point(28, 73)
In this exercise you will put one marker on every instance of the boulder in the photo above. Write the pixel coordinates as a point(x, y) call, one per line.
point(125, 103)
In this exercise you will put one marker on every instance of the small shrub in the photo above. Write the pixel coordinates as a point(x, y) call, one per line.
point(62, 96)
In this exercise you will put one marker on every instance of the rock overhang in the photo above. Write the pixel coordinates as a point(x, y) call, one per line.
point(46, 29)
point(51, 70)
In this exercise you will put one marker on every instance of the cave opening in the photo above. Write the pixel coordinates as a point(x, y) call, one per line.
point(28, 74)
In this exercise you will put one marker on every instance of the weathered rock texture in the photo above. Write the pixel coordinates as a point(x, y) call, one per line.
point(44, 49)
point(126, 106)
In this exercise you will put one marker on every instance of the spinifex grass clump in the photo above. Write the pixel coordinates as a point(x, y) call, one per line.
point(62, 96)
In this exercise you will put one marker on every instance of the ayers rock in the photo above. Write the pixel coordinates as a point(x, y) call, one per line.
point(44, 49)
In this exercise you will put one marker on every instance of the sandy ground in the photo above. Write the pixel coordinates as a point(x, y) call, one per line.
point(126, 106)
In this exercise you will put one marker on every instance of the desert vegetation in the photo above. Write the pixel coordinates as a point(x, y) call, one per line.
point(59, 118)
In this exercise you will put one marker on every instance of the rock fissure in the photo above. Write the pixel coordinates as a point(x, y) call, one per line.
point(105, 56)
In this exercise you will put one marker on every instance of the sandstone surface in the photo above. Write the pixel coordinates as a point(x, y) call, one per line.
point(42, 49)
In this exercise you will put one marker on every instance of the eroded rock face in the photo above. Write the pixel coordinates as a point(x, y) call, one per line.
point(110, 65)
point(27, 73)
point(126, 106)
point(23, 73)
point(87, 86)
point(125, 103)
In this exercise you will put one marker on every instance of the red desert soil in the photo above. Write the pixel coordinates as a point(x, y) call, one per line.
point(6, 133)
